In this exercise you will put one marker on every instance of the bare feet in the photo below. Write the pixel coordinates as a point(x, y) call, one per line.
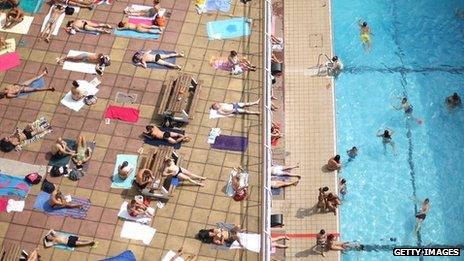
point(45, 71)
point(52, 89)
point(181, 54)
point(186, 139)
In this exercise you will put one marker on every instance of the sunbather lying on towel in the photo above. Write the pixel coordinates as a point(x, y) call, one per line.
point(124, 170)
point(223, 235)
point(87, 26)
point(240, 192)
point(9, 143)
point(154, 132)
point(141, 58)
point(276, 183)
point(136, 209)
point(56, 11)
point(53, 238)
point(57, 200)
point(14, 90)
point(149, 12)
point(83, 154)
point(13, 17)
point(171, 169)
point(229, 109)
point(141, 28)
point(79, 3)
point(60, 148)
point(100, 60)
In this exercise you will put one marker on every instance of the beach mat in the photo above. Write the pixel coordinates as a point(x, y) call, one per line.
point(41, 203)
point(124, 256)
point(229, 28)
point(21, 28)
point(31, 6)
point(231, 143)
point(10, 46)
point(11, 186)
point(9, 61)
point(158, 66)
point(127, 183)
point(20, 169)
point(59, 161)
point(134, 34)
point(218, 5)
point(161, 142)
point(126, 114)
point(79, 67)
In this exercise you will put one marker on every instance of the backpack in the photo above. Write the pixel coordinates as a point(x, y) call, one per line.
point(33, 178)
point(75, 174)
point(47, 186)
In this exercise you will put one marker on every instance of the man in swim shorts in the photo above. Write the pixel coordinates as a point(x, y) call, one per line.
point(405, 105)
point(387, 138)
point(229, 109)
point(141, 58)
point(14, 90)
point(56, 11)
point(69, 241)
point(420, 217)
point(154, 132)
point(87, 26)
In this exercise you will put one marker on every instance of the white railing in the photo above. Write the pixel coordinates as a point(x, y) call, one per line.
point(267, 151)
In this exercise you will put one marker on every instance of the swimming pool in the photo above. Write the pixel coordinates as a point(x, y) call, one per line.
point(417, 51)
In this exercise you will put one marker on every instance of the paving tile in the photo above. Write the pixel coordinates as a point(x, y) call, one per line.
point(88, 228)
point(15, 232)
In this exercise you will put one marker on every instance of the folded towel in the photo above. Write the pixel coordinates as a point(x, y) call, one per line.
point(126, 114)
point(15, 205)
point(9, 61)
point(137, 231)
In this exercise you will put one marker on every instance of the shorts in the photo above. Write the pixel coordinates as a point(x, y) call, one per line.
point(421, 216)
point(166, 135)
point(236, 108)
point(408, 110)
point(28, 134)
point(277, 170)
point(72, 240)
point(157, 57)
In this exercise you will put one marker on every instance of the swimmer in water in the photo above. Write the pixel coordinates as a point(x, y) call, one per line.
point(420, 217)
point(405, 105)
point(352, 153)
point(365, 35)
point(386, 136)
point(453, 101)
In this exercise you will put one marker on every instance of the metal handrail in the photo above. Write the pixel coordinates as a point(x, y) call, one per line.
point(319, 62)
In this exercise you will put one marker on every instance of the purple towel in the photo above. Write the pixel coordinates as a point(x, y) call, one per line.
point(232, 143)
point(41, 203)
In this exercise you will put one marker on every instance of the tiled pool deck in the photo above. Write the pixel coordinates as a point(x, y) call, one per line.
point(191, 208)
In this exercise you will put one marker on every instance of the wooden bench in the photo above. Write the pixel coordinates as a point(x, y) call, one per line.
point(10, 251)
point(180, 97)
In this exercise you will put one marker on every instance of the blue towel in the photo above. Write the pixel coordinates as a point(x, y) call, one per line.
point(175, 182)
point(41, 203)
point(60, 161)
point(226, 29)
point(13, 186)
point(39, 83)
point(134, 34)
point(117, 181)
point(218, 5)
point(124, 256)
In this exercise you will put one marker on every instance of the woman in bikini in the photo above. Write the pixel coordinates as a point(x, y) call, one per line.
point(141, 58)
point(141, 28)
point(83, 154)
point(387, 138)
point(154, 132)
point(14, 90)
point(225, 234)
point(56, 11)
point(87, 26)
point(171, 169)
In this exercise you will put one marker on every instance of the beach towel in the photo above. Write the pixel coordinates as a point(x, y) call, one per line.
point(170, 255)
point(161, 142)
point(10, 46)
point(158, 66)
point(243, 182)
point(15, 205)
point(31, 6)
point(21, 28)
point(3, 204)
point(218, 5)
point(231, 143)
point(39, 83)
point(137, 231)
point(90, 145)
point(79, 67)
point(249, 241)
point(126, 114)
point(221, 63)
point(11, 186)
point(60, 161)
point(87, 88)
point(9, 61)
point(161, 12)
point(117, 181)
point(125, 215)
point(19, 169)
point(59, 246)
point(141, 20)
point(124, 256)
point(213, 114)
point(41, 203)
point(43, 126)
point(58, 21)
point(229, 28)
point(134, 34)
point(123, 97)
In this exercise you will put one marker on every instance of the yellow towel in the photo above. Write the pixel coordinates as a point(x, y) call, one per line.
point(200, 2)
point(11, 46)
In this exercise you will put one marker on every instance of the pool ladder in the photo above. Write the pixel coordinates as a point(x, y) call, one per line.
point(319, 65)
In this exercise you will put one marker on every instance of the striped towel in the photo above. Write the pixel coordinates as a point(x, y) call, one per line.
point(43, 126)
point(41, 203)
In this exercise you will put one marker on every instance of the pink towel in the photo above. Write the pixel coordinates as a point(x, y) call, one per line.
point(9, 60)
point(220, 63)
point(137, 20)
point(122, 113)
point(3, 204)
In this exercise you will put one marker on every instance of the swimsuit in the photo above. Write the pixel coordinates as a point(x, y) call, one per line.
point(365, 38)
point(166, 135)
point(28, 134)
point(408, 110)
point(81, 154)
point(157, 57)
point(421, 216)
point(72, 240)
point(235, 108)
point(178, 172)
point(85, 24)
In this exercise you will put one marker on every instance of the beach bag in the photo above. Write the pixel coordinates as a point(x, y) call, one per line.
point(33, 178)
point(47, 186)
point(75, 175)
point(90, 100)
point(237, 70)
point(160, 21)
point(69, 10)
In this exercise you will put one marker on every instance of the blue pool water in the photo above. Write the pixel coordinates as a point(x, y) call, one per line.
point(418, 51)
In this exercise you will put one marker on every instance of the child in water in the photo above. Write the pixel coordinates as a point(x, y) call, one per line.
point(365, 35)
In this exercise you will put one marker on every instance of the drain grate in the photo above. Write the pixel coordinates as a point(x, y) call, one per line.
point(315, 40)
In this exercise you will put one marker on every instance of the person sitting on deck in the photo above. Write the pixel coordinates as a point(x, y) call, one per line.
point(333, 201)
point(136, 209)
point(334, 163)
point(141, 58)
point(89, 4)
point(125, 170)
point(239, 65)
point(154, 132)
point(141, 28)
point(100, 60)
point(150, 12)
point(70, 241)
point(321, 242)
point(76, 93)
point(60, 148)
point(83, 154)
point(230, 109)
point(50, 24)
point(171, 169)
point(332, 244)
point(321, 205)
point(13, 17)
point(453, 101)
point(87, 26)
point(57, 200)
point(275, 132)
point(14, 90)
point(144, 179)
point(9, 143)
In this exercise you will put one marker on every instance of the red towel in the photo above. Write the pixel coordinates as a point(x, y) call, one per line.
point(3, 204)
point(122, 113)
point(9, 60)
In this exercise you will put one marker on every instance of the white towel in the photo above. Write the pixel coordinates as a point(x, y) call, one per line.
point(137, 231)
point(125, 215)
point(213, 135)
point(15, 205)
point(243, 182)
point(213, 114)
point(21, 28)
point(251, 242)
point(58, 21)
point(145, 7)
point(79, 67)
point(169, 255)
point(88, 88)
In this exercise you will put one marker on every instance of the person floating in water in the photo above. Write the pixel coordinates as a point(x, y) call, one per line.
point(420, 217)
point(404, 105)
point(365, 31)
point(387, 138)
point(352, 153)
point(453, 101)
point(342, 187)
